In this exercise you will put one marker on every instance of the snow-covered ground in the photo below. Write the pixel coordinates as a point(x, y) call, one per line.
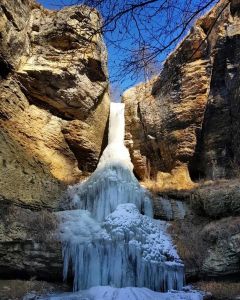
point(128, 293)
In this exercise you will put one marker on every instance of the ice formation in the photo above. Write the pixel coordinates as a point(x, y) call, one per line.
point(110, 238)
point(128, 249)
point(171, 209)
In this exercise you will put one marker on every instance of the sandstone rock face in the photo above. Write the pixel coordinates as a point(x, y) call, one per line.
point(186, 121)
point(14, 43)
point(66, 70)
point(54, 102)
point(184, 126)
point(54, 109)
point(219, 202)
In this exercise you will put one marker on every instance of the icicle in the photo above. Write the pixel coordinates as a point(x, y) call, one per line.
point(130, 249)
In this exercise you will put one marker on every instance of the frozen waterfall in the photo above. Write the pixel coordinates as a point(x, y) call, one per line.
point(109, 237)
point(113, 182)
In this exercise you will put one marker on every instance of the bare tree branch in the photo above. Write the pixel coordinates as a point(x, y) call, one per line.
point(143, 32)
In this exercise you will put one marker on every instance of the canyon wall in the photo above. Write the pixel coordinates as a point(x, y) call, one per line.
point(181, 126)
point(184, 124)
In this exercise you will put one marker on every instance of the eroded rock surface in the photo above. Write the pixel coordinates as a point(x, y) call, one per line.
point(185, 122)
point(217, 200)
point(207, 237)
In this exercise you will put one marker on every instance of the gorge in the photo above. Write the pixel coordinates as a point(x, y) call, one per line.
point(62, 156)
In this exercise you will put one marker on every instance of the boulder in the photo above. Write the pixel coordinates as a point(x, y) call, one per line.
point(217, 199)
point(223, 255)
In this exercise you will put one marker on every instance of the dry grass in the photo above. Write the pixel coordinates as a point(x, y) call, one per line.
point(17, 289)
point(222, 290)
point(217, 183)
point(178, 179)
point(43, 226)
point(157, 187)
point(151, 185)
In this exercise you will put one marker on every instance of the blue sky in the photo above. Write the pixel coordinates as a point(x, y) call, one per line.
point(115, 54)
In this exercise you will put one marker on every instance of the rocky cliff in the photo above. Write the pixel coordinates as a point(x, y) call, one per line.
point(53, 117)
point(184, 124)
point(54, 99)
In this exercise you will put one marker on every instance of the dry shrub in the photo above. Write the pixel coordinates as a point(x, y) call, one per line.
point(176, 179)
point(17, 289)
point(151, 185)
point(222, 290)
point(156, 187)
point(221, 230)
point(189, 241)
point(39, 225)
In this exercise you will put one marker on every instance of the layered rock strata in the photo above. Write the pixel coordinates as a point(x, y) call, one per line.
point(205, 225)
